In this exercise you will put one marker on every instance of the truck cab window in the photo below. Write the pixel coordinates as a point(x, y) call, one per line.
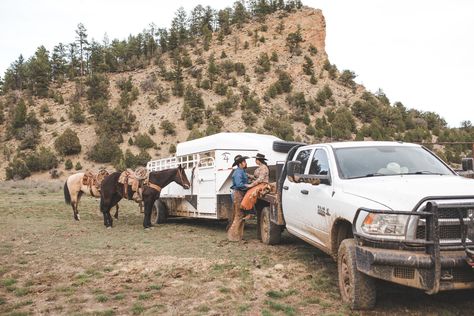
point(319, 163)
point(303, 157)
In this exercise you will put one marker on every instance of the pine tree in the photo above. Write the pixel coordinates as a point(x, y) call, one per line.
point(58, 63)
point(40, 72)
point(81, 39)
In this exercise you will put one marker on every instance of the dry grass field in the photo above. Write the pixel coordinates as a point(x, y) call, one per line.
point(50, 264)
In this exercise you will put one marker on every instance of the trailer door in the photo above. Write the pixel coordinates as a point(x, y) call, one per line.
point(207, 198)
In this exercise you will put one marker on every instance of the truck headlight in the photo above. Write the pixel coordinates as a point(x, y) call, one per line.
point(385, 224)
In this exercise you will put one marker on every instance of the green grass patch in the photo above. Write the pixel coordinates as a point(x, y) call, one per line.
point(243, 308)
point(2, 300)
point(155, 287)
point(108, 312)
point(144, 296)
point(222, 267)
point(224, 289)
point(286, 309)
point(8, 282)
point(21, 291)
point(119, 297)
point(101, 298)
point(266, 313)
point(281, 294)
point(203, 308)
point(137, 309)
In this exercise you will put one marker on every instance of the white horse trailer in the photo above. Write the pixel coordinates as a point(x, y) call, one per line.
point(208, 166)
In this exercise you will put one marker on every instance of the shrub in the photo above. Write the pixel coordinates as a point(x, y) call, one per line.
point(308, 66)
point(324, 95)
point(50, 120)
point(144, 141)
point(281, 128)
point(221, 88)
point(133, 161)
point(347, 78)
point(68, 143)
point(251, 102)
point(17, 169)
point(98, 87)
point(105, 150)
point(239, 69)
point(214, 125)
point(152, 130)
point(263, 64)
point(312, 50)
point(78, 166)
point(168, 128)
point(76, 113)
point(162, 96)
point(331, 69)
point(172, 149)
point(228, 105)
point(249, 118)
point(293, 41)
point(41, 160)
point(68, 164)
point(195, 133)
point(274, 57)
point(297, 100)
point(193, 98)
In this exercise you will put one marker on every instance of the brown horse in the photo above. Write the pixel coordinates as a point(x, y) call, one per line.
point(83, 183)
point(112, 191)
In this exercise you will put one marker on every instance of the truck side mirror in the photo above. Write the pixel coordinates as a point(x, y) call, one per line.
point(293, 169)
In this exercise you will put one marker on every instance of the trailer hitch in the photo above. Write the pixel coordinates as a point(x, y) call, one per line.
point(467, 229)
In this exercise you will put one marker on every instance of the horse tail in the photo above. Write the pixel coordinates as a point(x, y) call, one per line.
point(67, 195)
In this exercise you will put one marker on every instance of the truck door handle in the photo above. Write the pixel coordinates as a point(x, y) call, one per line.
point(305, 192)
point(285, 187)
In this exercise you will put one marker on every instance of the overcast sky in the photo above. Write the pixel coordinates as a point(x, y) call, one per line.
point(418, 52)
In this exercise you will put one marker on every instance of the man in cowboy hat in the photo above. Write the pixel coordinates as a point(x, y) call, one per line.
point(239, 186)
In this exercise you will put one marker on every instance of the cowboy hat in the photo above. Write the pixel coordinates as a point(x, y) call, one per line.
point(260, 157)
point(238, 159)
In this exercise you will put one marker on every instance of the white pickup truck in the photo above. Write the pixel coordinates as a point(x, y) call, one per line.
point(386, 210)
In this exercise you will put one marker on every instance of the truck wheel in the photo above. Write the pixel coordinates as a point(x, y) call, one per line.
point(357, 289)
point(270, 232)
point(159, 213)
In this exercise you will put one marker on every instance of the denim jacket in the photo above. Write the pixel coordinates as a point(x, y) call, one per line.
point(239, 180)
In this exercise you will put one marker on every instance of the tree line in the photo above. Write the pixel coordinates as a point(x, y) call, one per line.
point(85, 57)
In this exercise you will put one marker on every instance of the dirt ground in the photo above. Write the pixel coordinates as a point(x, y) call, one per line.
point(51, 264)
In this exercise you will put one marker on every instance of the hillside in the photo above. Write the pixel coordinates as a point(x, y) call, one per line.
point(268, 74)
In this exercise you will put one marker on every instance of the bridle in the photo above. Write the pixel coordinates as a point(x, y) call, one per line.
point(180, 173)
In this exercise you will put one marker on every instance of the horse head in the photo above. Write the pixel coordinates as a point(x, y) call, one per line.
point(181, 178)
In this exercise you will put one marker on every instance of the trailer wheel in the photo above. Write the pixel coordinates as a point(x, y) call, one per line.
point(159, 213)
point(270, 232)
point(357, 289)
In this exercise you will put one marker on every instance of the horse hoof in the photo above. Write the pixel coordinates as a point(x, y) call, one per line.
point(109, 227)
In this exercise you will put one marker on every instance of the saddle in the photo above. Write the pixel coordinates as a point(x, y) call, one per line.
point(90, 179)
point(136, 180)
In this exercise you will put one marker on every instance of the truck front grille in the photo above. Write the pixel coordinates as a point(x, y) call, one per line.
point(449, 224)
point(445, 232)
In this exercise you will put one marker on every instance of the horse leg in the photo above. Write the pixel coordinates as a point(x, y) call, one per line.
point(76, 213)
point(105, 206)
point(116, 211)
point(148, 203)
point(74, 202)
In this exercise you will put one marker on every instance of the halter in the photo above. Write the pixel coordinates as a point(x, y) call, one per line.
point(180, 175)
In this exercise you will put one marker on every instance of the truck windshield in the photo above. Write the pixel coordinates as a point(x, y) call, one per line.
point(359, 162)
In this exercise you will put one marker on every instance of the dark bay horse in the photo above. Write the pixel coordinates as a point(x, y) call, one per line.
point(112, 191)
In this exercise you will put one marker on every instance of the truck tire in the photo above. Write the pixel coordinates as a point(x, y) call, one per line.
point(284, 147)
point(357, 289)
point(270, 232)
point(159, 213)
